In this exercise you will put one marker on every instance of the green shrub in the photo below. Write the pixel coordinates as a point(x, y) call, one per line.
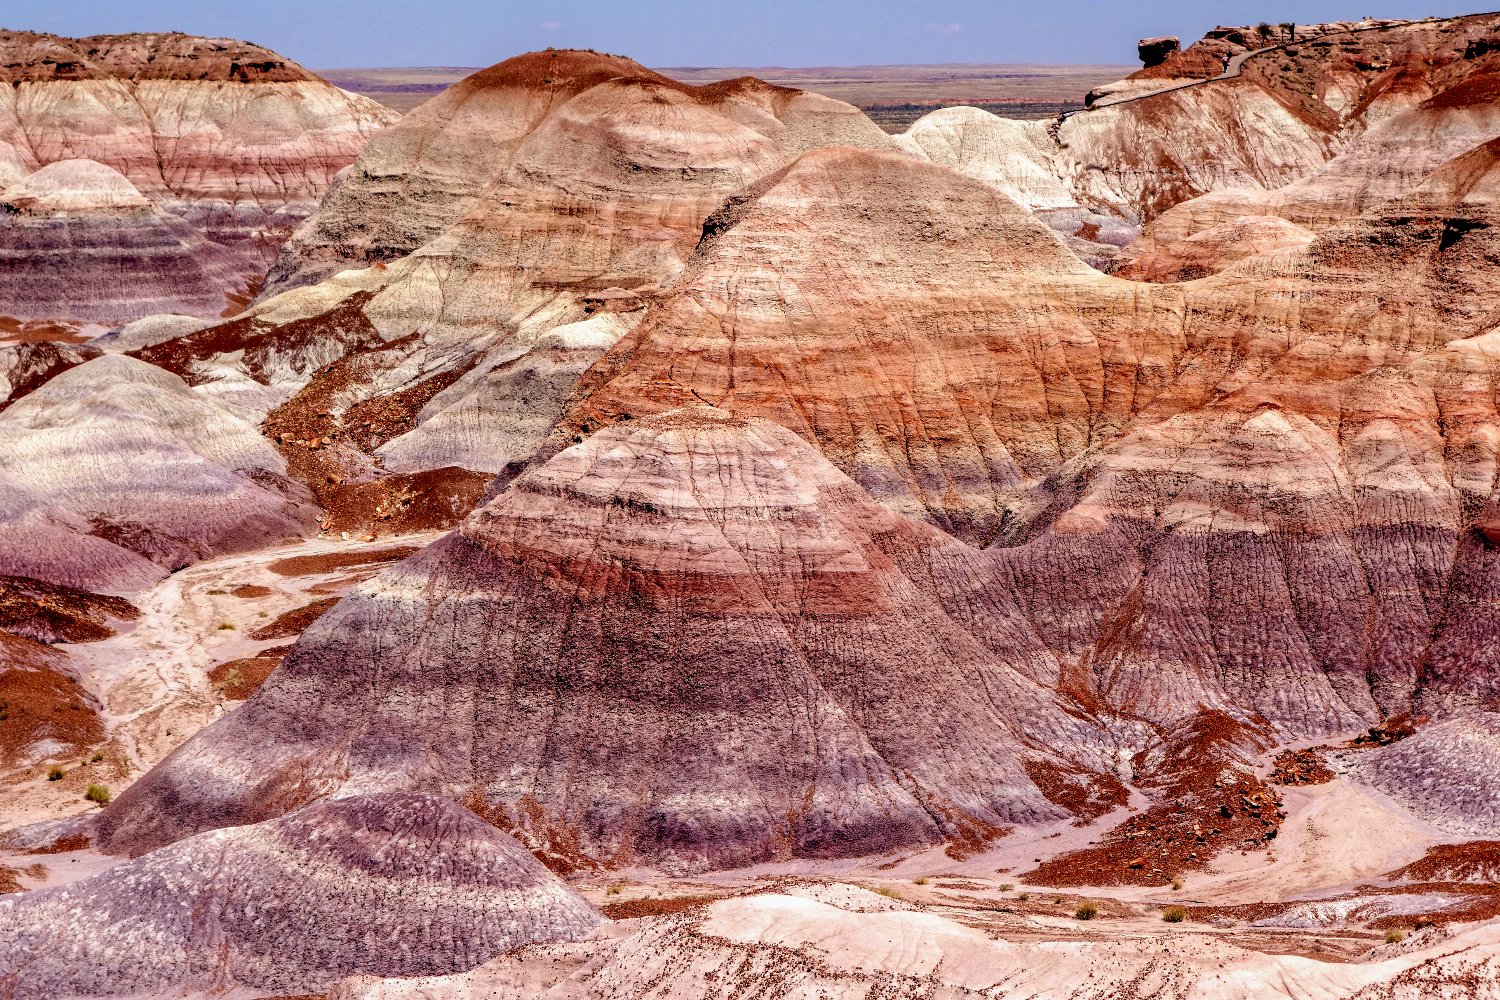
point(55, 774)
point(1086, 911)
point(96, 758)
point(1394, 937)
point(97, 793)
point(226, 626)
point(1174, 914)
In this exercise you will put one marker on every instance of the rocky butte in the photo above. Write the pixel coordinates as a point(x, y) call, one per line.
point(155, 173)
point(653, 540)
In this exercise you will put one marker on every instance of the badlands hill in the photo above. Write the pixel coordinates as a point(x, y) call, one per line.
point(387, 884)
point(801, 672)
point(157, 172)
point(504, 236)
point(117, 473)
point(1099, 175)
point(816, 504)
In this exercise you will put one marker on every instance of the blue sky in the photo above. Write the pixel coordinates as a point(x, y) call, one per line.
point(327, 34)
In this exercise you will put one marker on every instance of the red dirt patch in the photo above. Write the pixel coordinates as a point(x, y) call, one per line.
point(237, 680)
point(39, 362)
point(1208, 800)
point(10, 878)
point(295, 622)
point(404, 503)
point(327, 434)
point(1477, 902)
point(36, 331)
point(46, 612)
point(1482, 89)
point(39, 702)
point(1301, 767)
point(1476, 861)
point(237, 301)
point(632, 908)
point(62, 845)
point(344, 325)
point(329, 561)
point(249, 590)
point(1084, 794)
point(340, 585)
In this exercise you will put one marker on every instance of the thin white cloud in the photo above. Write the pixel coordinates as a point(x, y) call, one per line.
point(550, 25)
point(946, 29)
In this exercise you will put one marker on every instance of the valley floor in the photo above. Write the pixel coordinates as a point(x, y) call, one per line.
point(155, 684)
point(1321, 896)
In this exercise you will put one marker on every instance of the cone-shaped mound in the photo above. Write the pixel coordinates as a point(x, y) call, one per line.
point(75, 185)
point(149, 173)
point(563, 135)
point(79, 239)
point(935, 340)
point(690, 639)
point(393, 884)
point(125, 452)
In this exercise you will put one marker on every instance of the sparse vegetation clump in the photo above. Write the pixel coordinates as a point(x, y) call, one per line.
point(920, 880)
point(97, 793)
point(1023, 896)
point(613, 890)
point(1394, 937)
point(1176, 884)
point(226, 626)
point(1086, 911)
point(1007, 886)
point(56, 774)
point(886, 891)
point(1174, 914)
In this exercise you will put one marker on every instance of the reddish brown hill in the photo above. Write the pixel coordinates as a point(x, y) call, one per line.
point(513, 229)
point(33, 57)
point(44, 713)
point(1308, 432)
point(428, 171)
point(930, 336)
point(689, 639)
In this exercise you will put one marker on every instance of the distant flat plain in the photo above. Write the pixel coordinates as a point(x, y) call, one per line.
point(894, 96)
